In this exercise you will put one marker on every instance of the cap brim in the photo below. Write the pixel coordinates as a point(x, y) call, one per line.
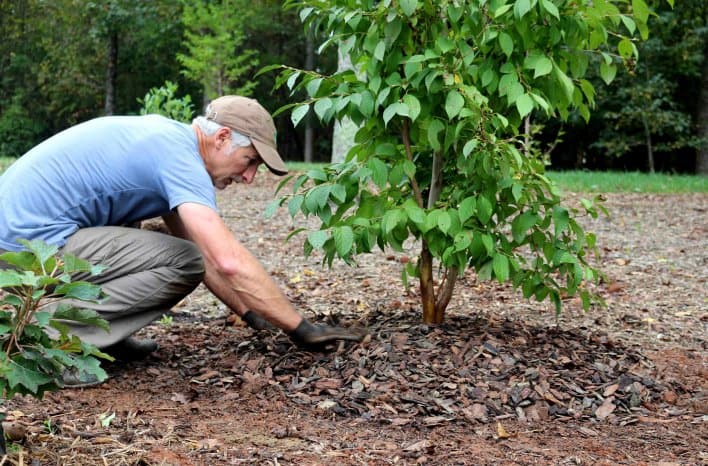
point(271, 158)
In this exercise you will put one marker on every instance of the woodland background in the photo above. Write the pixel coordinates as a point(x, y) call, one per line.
point(66, 61)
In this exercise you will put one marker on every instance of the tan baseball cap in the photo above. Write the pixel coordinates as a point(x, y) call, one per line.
point(246, 116)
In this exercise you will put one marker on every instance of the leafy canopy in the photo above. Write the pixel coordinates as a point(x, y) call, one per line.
point(442, 89)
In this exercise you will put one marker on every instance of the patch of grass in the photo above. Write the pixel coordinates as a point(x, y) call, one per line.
point(6, 162)
point(304, 166)
point(628, 182)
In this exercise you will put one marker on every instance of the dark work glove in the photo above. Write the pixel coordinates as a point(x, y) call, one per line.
point(315, 336)
point(256, 322)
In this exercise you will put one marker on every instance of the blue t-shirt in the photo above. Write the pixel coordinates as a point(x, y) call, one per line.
point(107, 171)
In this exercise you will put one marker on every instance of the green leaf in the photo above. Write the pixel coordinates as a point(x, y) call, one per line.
point(84, 291)
point(10, 278)
point(23, 260)
point(26, 377)
point(380, 51)
point(453, 104)
point(506, 43)
point(543, 67)
point(343, 240)
point(322, 106)
point(484, 210)
point(294, 204)
point(338, 193)
point(524, 105)
point(500, 265)
point(413, 105)
point(626, 48)
point(434, 129)
point(390, 221)
point(550, 7)
point(408, 6)
point(444, 222)
point(466, 209)
point(73, 264)
point(608, 72)
point(469, 146)
point(80, 315)
point(521, 7)
point(641, 10)
point(565, 82)
point(488, 243)
point(299, 113)
point(317, 238)
point(379, 172)
point(561, 217)
point(414, 212)
point(521, 225)
point(271, 208)
point(40, 249)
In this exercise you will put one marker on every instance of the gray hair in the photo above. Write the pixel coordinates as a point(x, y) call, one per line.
point(210, 127)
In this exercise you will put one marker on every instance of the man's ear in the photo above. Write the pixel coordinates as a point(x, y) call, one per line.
point(223, 135)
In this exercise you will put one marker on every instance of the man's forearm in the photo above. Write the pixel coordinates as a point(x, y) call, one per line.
point(257, 292)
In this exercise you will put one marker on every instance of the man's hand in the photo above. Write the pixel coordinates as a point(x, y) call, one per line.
point(315, 336)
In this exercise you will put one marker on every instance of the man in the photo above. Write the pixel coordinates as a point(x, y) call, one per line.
point(80, 187)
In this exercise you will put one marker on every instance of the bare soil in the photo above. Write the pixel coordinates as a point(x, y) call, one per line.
point(503, 381)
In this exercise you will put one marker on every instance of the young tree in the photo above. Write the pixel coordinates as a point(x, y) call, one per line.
point(445, 85)
point(214, 37)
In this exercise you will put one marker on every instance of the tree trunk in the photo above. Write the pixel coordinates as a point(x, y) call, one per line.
point(434, 309)
point(111, 70)
point(427, 288)
point(647, 140)
point(344, 130)
point(702, 156)
point(309, 123)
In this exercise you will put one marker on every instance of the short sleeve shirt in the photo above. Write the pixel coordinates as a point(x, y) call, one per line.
point(107, 171)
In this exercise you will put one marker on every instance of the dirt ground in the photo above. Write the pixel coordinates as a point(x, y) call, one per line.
point(503, 381)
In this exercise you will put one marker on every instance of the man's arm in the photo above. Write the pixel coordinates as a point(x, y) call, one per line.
point(232, 273)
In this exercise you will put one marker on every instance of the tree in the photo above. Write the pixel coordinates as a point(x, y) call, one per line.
point(445, 86)
point(214, 37)
point(653, 106)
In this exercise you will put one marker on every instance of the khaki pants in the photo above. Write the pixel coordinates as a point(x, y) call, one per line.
point(147, 273)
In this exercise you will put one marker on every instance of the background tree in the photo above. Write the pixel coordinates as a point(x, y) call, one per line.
point(215, 57)
point(652, 110)
point(444, 90)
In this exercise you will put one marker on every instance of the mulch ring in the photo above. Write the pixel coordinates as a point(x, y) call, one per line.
point(470, 370)
point(479, 369)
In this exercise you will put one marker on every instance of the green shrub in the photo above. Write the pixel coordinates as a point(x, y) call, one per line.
point(162, 100)
point(35, 345)
point(18, 131)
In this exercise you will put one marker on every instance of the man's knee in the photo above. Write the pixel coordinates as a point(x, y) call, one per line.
point(191, 264)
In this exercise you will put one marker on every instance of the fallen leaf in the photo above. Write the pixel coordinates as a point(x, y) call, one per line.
point(609, 391)
point(209, 444)
point(326, 404)
point(606, 408)
point(417, 446)
point(179, 398)
point(501, 432)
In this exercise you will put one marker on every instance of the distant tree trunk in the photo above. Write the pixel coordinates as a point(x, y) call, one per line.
point(111, 70)
point(345, 130)
point(309, 123)
point(650, 148)
point(702, 156)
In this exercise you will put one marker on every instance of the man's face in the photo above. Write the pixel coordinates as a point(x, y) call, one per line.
point(234, 165)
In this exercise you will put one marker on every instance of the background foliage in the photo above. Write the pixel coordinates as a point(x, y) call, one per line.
point(66, 61)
